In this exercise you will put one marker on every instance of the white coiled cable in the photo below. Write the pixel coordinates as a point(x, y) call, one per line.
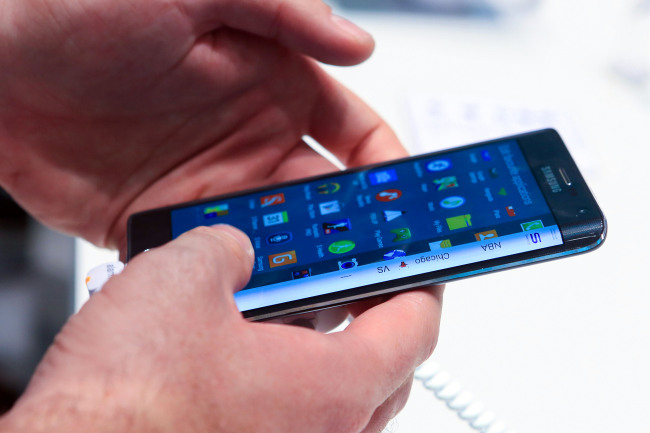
point(434, 378)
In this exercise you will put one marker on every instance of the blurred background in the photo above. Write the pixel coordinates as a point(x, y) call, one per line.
point(561, 346)
point(36, 294)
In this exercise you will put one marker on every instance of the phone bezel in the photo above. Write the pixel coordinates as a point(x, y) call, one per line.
point(580, 220)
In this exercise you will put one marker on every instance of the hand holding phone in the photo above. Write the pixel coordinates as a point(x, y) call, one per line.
point(186, 99)
point(163, 341)
point(389, 227)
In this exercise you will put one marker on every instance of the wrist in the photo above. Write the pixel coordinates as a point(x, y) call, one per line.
point(61, 412)
point(103, 405)
point(70, 409)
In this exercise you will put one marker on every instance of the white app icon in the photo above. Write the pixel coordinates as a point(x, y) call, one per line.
point(329, 207)
point(390, 215)
point(438, 165)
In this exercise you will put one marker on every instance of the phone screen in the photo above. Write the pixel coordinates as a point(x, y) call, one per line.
point(381, 224)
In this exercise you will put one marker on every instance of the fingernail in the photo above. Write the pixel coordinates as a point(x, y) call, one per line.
point(350, 27)
point(238, 236)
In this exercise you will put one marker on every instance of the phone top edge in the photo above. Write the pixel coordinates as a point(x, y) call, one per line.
point(336, 173)
point(149, 228)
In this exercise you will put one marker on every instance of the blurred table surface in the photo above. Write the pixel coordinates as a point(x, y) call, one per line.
point(561, 346)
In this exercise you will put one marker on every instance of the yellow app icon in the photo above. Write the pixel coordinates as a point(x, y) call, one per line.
point(459, 222)
point(282, 259)
point(439, 244)
point(328, 188)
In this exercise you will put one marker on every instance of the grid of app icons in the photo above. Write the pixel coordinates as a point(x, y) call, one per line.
point(382, 214)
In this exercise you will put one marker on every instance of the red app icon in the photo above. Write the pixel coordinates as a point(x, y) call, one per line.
point(271, 200)
point(510, 210)
point(388, 195)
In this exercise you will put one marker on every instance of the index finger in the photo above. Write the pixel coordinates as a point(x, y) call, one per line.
point(307, 26)
point(349, 128)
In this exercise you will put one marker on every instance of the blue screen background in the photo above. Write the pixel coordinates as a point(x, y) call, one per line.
point(374, 215)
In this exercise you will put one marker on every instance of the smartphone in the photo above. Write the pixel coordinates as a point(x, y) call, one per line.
point(370, 231)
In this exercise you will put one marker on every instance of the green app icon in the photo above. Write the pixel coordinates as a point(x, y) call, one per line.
point(341, 247)
point(452, 202)
point(401, 234)
point(216, 211)
point(446, 182)
point(459, 222)
point(532, 225)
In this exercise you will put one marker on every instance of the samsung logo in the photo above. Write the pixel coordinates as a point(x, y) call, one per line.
point(551, 180)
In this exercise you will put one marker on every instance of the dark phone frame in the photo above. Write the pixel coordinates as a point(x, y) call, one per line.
point(579, 218)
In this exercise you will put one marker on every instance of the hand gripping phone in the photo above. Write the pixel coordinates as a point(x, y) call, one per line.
point(369, 231)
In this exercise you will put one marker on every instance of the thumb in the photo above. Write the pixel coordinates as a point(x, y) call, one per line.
point(161, 297)
point(307, 26)
point(204, 265)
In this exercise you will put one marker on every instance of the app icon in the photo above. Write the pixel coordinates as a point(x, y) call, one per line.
point(438, 165)
point(483, 236)
point(510, 211)
point(303, 273)
point(452, 202)
point(502, 192)
point(390, 215)
point(341, 247)
point(486, 155)
point(383, 176)
point(459, 222)
point(282, 259)
point(401, 234)
point(279, 238)
point(532, 225)
point(394, 254)
point(446, 182)
point(215, 211)
point(388, 195)
point(271, 200)
point(439, 244)
point(342, 225)
point(328, 188)
point(329, 207)
point(273, 219)
point(348, 264)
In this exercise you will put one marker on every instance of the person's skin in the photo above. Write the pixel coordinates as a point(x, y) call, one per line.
point(130, 105)
point(108, 107)
point(162, 348)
